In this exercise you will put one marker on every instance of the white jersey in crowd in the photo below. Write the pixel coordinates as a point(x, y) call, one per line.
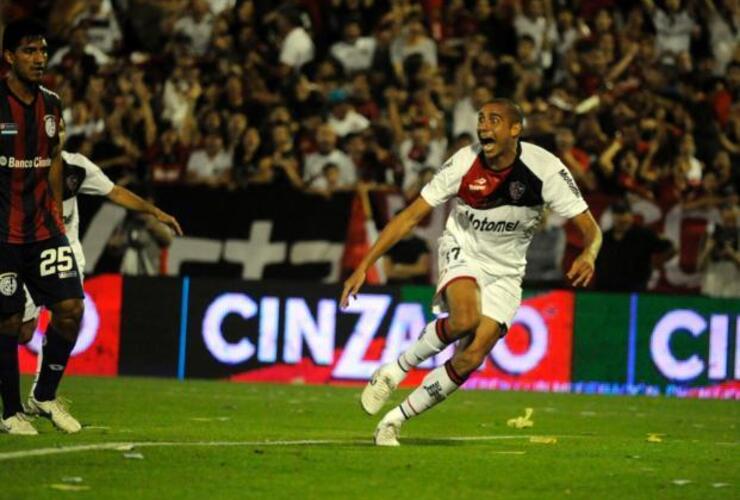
point(80, 176)
point(496, 214)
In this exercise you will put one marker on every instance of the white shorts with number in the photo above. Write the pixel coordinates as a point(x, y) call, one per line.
point(500, 296)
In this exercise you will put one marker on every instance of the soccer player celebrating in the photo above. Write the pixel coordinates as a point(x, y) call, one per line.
point(81, 175)
point(33, 247)
point(502, 186)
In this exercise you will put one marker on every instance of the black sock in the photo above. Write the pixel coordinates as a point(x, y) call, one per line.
point(10, 379)
point(55, 354)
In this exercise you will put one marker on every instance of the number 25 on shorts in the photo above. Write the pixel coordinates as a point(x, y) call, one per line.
point(56, 260)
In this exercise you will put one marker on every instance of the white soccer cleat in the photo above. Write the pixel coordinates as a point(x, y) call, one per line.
point(18, 425)
point(386, 433)
point(377, 391)
point(56, 410)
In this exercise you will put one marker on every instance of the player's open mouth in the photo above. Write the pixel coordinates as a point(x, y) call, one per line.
point(488, 143)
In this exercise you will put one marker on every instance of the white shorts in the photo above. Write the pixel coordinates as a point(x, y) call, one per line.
point(500, 296)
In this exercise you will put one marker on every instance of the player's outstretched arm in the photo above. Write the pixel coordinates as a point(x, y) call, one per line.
point(125, 198)
point(582, 270)
point(398, 226)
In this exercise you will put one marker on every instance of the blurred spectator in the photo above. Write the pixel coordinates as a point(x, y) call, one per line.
point(545, 255)
point(196, 27)
point(576, 159)
point(79, 57)
point(720, 257)
point(140, 239)
point(343, 118)
point(408, 262)
point(296, 46)
point(78, 120)
point(412, 41)
point(313, 166)
point(354, 52)
point(167, 158)
point(99, 20)
point(535, 20)
point(246, 157)
point(328, 182)
point(423, 145)
point(674, 28)
point(211, 164)
point(629, 253)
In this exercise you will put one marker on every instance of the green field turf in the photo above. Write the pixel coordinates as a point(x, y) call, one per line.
point(601, 450)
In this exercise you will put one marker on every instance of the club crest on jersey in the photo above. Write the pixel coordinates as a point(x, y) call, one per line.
point(8, 283)
point(516, 190)
point(50, 125)
point(478, 184)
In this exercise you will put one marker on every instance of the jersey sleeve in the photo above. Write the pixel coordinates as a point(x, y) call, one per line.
point(446, 182)
point(561, 193)
point(96, 182)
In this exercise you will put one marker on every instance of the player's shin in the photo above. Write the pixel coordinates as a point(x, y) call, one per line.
point(433, 339)
point(436, 386)
point(10, 385)
point(54, 357)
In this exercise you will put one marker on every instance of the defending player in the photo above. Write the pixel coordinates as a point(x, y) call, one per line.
point(83, 176)
point(501, 186)
point(33, 248)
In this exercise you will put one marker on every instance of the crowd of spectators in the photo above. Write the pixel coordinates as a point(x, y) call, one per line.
point(640, 99)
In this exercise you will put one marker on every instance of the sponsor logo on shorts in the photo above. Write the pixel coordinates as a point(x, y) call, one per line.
point(8, 283)
point(35, 162)
point(501, 226)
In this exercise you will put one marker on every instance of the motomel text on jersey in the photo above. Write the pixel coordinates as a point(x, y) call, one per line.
point(493, 226)
point(36, 162)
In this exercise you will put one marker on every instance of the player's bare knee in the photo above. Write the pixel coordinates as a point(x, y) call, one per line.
point(466, 362)
point(26, 331)
point(464, 321)
point(66, 318)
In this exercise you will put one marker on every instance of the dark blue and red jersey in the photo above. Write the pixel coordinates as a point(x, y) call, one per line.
point(29, 133)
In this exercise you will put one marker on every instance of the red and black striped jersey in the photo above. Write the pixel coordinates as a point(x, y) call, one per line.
point(29, 133)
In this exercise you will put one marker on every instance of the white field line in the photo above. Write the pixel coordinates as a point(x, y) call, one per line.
point(128, 446)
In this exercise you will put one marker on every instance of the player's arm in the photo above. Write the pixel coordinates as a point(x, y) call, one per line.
point(582, 270)
point(399, 226)
point(125, 198)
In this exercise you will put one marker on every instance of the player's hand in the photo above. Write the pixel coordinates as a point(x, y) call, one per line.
point(582, 270)
point(351, 287)
point(166, 218)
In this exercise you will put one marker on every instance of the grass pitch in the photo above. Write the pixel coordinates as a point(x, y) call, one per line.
point(218, 440)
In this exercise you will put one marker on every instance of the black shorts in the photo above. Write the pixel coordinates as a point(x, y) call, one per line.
point(48, 268)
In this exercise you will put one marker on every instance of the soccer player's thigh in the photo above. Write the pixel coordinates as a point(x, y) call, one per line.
point(463, 300)
point(12, 295)
point(472, 350)
point(53, 280)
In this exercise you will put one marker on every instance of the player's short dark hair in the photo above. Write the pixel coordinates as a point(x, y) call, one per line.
point(513, 110)
point(17, 30)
